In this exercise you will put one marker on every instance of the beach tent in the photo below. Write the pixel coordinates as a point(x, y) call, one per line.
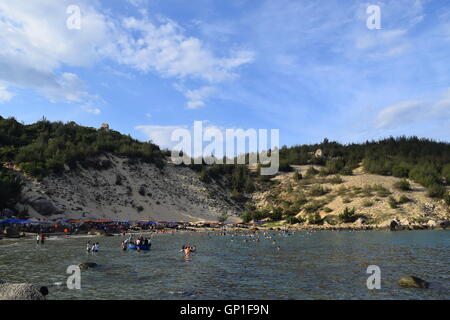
point(15, 221)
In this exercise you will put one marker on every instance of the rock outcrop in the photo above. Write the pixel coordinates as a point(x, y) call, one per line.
point(21, 291)
point(43, 206)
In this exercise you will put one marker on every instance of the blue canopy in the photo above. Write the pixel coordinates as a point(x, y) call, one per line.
point(16, 221)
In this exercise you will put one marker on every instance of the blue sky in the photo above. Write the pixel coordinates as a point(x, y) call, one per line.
point(309, 68)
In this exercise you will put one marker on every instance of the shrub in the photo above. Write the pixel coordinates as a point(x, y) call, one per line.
point(323, 172)
point(276, 214)
point(346, 171)
point(247, 216)
point(401, 170)
point(402, 185)
point(203, 176)
point(237, 196)
point(447, 198)
point(318, 190)
point(294, 220)
point(336, 179)
point(348, 216)
point(341, 190)
point(332, 220)
point(327, 210)
point(404, 199)
point(314, 218)
point(301, 199)
point(367, 203)
point(346, 200)
point(334, 166)
point(436, 191)
point(392, 202)
point(297, 176)
point(10, 188)
point(446, 173)
point(284, 166)
point(223, 217)
point(381, 191)
point(311, 172)
point(142, 191)
point(249, 186)
point(313, 206)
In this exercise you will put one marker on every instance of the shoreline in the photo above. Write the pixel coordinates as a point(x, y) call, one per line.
point(223, 232)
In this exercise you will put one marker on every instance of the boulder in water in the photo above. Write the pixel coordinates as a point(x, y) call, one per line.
point(413, 282)
point(21, 291)
point(87, 265)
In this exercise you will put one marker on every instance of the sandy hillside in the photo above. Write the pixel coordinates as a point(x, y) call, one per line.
point(360, 191)
point(128, 192)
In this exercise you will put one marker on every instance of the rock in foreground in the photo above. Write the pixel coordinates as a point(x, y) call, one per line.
point(21, 291)
point(413, 282)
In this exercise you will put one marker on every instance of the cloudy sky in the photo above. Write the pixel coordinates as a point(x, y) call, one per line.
point(312, 69)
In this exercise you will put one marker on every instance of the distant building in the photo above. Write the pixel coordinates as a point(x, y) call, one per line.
point(105, 126)
point(318, 153)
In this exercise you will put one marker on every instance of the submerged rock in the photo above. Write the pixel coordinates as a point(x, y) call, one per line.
point(87, 265)
point(21, 291)
point(413, 282)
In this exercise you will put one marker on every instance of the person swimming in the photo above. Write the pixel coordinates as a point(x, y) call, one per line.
point(95, 247)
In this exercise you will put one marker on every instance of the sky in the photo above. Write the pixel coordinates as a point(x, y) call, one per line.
point(312, 69)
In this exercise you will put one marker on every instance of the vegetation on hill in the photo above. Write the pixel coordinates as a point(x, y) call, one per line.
point(48, 147)
point(45, 147)
point(422, 160)
point(10, 188)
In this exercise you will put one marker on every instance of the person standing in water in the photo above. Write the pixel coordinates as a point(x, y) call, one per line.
point(88, 246)
point(38, 238)
point(42, 239)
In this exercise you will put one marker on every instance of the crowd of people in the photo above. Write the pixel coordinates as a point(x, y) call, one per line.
point(140, 243)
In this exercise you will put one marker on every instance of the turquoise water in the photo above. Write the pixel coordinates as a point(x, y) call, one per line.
point(309, 265)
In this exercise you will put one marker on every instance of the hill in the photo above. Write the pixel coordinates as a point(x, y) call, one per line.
point(55, 170)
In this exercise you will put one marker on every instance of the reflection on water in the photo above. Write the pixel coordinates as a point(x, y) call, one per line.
point(306, 265)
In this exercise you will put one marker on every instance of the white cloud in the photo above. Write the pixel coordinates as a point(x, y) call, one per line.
point(399, 113)
point(5, 95)
point(165, 49)
point(36, 45)
point(160, 135)
point(197, 98)
point(409, 112)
